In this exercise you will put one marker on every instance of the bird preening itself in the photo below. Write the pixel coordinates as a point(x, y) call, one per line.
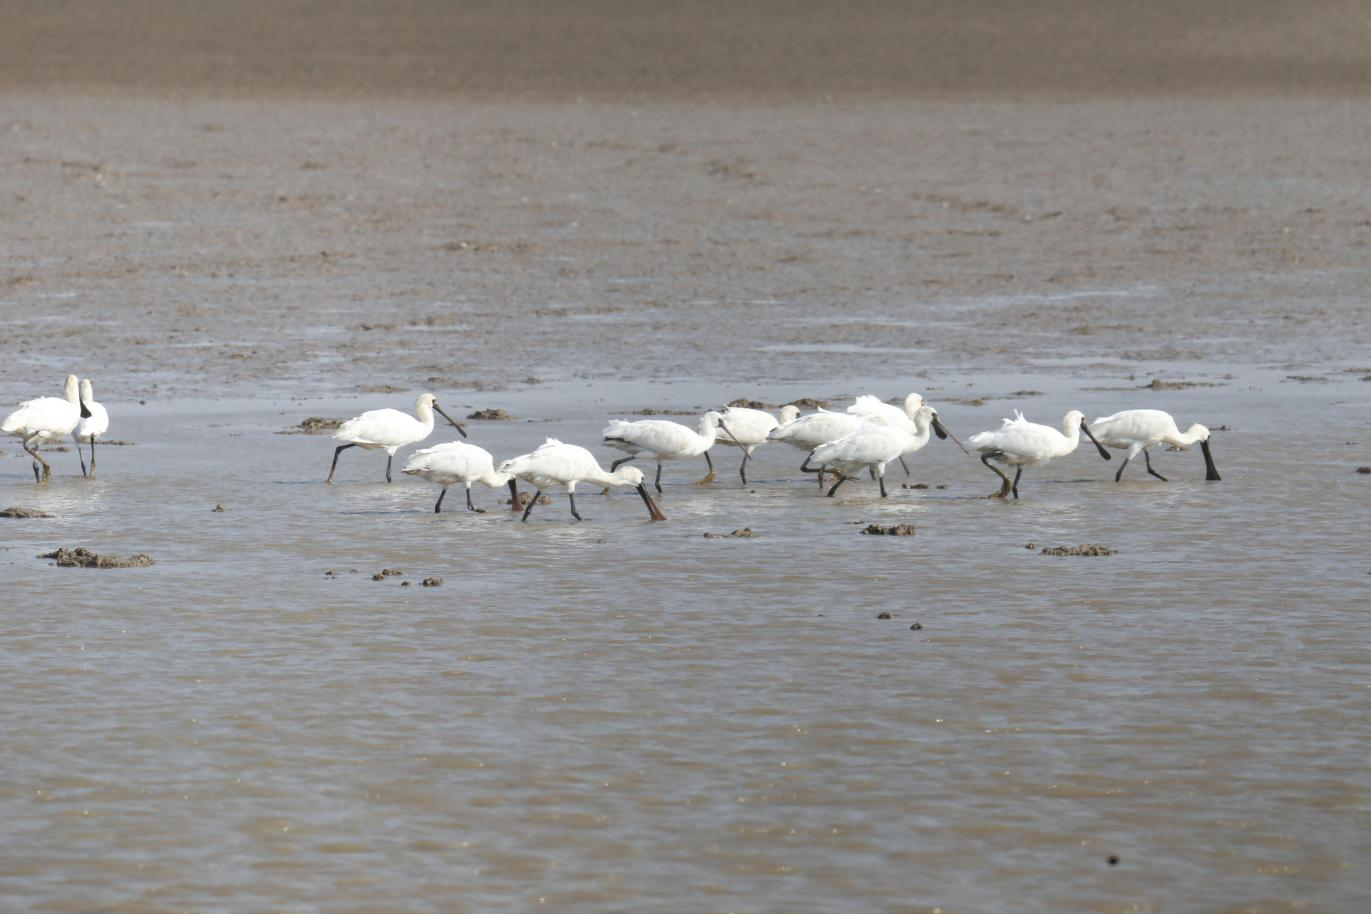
point(1140, 429)
point(389, 429)
point(558, 464)
point(1021, 443)
point(46, 419)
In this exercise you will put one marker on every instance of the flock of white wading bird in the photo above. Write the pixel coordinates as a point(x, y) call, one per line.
point(866, 437)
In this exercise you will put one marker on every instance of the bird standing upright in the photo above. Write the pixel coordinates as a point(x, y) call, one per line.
point(90, 427)
point(389, 429)
point(46, 419)
point(663, 440)
point(1021, 443)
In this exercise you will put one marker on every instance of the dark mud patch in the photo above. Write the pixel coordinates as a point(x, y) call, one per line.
point(314, 425)
point(217, 509)
point(665, 411)
point(889, 530)
point(19, 511)
point(114, 442)
point(1307, 379)
point(1084, 549)
point(387, 573)
point(966, 401)
point(1024, 393)
point(1160, 384)
point(921, 485)
point(432, 582)
point(1365, 471)
point(81, 557)
point(490, 415)
point(381, 389)
point(744, 403)
point(810, 403)
point(742, 533)
point(525, 498)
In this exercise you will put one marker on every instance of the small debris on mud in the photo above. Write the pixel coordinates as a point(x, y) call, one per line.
point(1159, 384)
point(966, 401)
point(1363, 470)
point(884, 615)
point(742, 533)
point(81, 557)
point(433, 582)
point(810, 403)
point(1086, 549)
point(380, 388)
point(889, 530)
point(1027, 393)
point(314, 425)
point(1307, 379)
point(663, 411)
point(218, 509)
point(916, 627)
point(745, 403)
point(404, 583)
point(491, 415)
point(915, 485)
point(20, 511)
point(115, 442)
point(387, 573)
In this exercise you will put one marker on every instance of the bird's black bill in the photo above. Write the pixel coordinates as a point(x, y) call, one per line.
point(941, 431)
point(1099, 447)
point(653, 511)
point(437, 409)
point(85, 410)
point(1211, 472)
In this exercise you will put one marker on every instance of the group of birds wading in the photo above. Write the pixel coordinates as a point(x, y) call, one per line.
point(864, 438)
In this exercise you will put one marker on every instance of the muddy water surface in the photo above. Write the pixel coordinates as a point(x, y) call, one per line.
point(618, 715)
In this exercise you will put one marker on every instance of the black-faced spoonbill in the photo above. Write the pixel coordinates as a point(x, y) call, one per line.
point(747, 429)
point(90, 427)
point(455, 462)
point(1021, 443)
point(389, 429)
point(809, 431)
point(873, 446)
point(663, 440)
point(46, 419)
point(558, 464)
point(1139, 429)
point(874, 409)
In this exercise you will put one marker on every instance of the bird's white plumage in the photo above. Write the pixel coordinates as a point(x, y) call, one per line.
point(556, 463)
point(46, 418)
point(876, 410)
point(97, 423)
point(809, 431)
point(389, 429)
point(1137, 430)
point(662, 439)
point(748, 428)
point(1018, 441)
point(873, 446)
point(454, 462)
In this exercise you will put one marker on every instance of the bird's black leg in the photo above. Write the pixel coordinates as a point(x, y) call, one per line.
point(658, 480)
point(1119, 475)
point(438, 505)
point(513, 495)
point(905, 465)
point(1004, 489)
point(537, 493)
point(1148, 460)
point(336, 451)
point(841, 479)
point(1015, 487)
point(620, 462)
point(742, 467)
point(470, 506)
point(38, 477)
point(390, 458)
point(81, 454)
point(881, 479)
point(92, 456)
point(806, 468)
point(571, 496)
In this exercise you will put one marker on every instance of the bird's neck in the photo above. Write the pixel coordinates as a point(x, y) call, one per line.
point(1186, 438)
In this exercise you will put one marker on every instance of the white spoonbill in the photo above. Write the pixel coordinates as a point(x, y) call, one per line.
point(748, 429)
point(809, 431)
point(877, 410)
point(455, 462)
point(558, 464)
point(389, 429)
point(1023, 443)
point(663, 440)
point(873, 446)
point(90, 427)
point(46, 419)
point(1139, 429)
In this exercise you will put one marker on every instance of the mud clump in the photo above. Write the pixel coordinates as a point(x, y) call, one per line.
point(884, 615)
point(810, 403)
point(889, 530)
point(217, 509)
point(1159, 384)
point(314, 425)
point(387, 573)
point(19, 511)
point(525, 498)
point(742, 533)
point(663, 411)
point(81, 557)
point(1366, 471)
point(1085, 549)
point(433, 582)
point(490, 415)
point(745, 403)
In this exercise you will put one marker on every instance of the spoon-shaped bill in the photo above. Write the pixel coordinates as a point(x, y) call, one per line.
point(941, 431)
point(1099, 447)
point(439, 410)
point(1211, 472)
point(653, 511)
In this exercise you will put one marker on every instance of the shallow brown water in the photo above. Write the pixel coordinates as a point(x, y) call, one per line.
point(625, 716)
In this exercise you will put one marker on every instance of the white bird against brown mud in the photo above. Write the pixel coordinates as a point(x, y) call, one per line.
point(1141, 429)
point(555, 463)
point(1021, 443)
point(389, 430)
point(46, 419)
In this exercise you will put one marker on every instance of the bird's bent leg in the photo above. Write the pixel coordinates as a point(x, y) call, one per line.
point(708, 477)
point(537, 493)
point(1148, 460)
point(905, 465)
point(1004, 488)
point(390, 458)
point(470, 506)
point(336, 451)
point(620, 462)
point(33, 452)
point(1119, 475)
point(658, 480)
point(438, 505)
point(571, 496)
point(742, 467)
point(841, 479)
point(1015, 487)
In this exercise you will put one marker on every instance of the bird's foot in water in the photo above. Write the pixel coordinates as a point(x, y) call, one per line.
point(707, 480)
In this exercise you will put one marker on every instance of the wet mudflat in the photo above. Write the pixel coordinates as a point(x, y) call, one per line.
point(619, 715)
